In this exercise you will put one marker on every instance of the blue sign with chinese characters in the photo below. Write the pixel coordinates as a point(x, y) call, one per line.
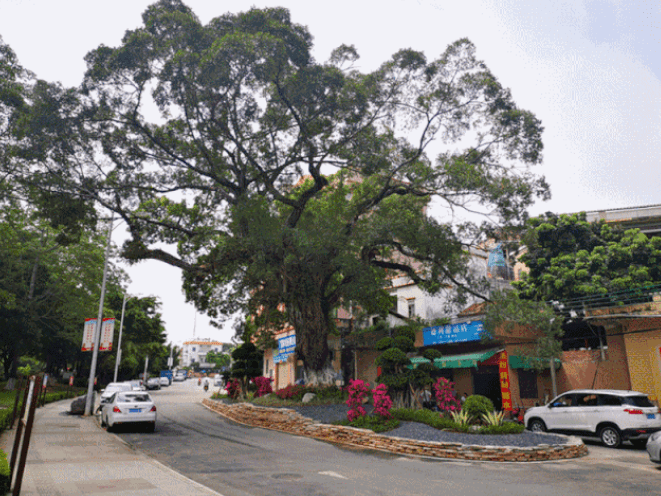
point(453, 333)
point(286, 348)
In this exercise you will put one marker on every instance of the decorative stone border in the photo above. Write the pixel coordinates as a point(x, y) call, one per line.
point(288, 420)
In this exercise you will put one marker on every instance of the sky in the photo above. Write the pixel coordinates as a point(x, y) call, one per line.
point(589, 69)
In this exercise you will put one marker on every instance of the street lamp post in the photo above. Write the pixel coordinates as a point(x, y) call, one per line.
point(118, 358)
point(97, 329)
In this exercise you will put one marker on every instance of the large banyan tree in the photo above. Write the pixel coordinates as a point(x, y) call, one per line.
point(283, 186)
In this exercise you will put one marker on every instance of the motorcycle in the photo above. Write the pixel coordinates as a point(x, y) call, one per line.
point(199, 382)
point(206, 386)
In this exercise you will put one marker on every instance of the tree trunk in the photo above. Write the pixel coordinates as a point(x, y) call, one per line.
point(310, 319)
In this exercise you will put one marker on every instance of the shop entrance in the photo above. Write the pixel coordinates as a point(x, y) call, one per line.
point(486, 382)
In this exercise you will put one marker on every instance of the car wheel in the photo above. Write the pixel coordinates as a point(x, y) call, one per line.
point(639, 443)
point(537, 425)
point(103, 421)
point(610, 436)
point(151, 427)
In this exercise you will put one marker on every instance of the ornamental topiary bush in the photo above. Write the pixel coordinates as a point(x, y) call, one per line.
point(476, 406)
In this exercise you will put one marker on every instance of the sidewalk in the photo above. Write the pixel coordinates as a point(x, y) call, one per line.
point(73, 455)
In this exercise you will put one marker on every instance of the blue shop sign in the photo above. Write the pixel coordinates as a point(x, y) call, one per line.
point(286, 348)
point(287, 345)
point(453, 333)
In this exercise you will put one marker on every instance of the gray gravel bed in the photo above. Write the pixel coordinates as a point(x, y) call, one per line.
point(327, 414)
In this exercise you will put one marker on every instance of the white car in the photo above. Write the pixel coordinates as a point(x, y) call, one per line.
point(111, 389)
point(129, 407)
point(164, 381)
point(612, 415)
point(654, 447)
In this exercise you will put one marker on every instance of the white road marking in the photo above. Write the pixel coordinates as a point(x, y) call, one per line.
point(333, 474)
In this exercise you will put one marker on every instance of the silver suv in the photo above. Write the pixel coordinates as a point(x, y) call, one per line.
point(612, 415)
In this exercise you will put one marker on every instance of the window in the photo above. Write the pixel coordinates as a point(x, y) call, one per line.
point(193, 348)
point(609, 400)
point(528, 384)
point(586, 400)
point(563, 401)
point(411, 307)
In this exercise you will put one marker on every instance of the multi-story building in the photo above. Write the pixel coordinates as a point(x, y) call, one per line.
point(196, 350)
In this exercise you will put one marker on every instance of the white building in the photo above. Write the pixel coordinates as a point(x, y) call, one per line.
point(196, 351)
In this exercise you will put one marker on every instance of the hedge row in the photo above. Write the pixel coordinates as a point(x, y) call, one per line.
point(5, 477)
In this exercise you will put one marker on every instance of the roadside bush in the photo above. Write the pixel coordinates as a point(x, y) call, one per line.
point(477, 405)
point(382, 402)
point(263, 386)
point(505, 428)
point(233, 389)
point(5, 418)
point(403, 414)
point(5, 476)
point(293, 392)
point(446, 399)
point(358, 390)
point(329, 393)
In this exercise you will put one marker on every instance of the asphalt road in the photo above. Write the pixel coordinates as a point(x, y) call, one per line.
point(236, 461)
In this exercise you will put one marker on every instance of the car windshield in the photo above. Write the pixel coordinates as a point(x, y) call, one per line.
point(639, 401)
point(133, 398)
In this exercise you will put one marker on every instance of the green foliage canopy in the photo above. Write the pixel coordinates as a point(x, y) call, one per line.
point(245, 115)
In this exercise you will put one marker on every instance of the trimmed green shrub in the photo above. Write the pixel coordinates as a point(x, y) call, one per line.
point(477, 405)
point(506, 428)
point(5, 475)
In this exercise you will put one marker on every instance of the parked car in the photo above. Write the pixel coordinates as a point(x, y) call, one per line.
point(218, 380)
point(612, 415)
point(111, 389)
point(136, 385)
point(179, 377)
point(164, 381)
point(129, 407)
point(654, 447)
point(154, 383)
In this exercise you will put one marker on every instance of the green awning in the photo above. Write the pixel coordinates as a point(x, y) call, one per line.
point(464, 361)
point(518, 362)
point(415, 361)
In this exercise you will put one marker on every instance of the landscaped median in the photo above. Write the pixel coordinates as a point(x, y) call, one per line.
point(288, 420)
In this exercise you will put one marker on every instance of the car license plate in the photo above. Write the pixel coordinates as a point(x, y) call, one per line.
point(651, 415)
point(134, 410)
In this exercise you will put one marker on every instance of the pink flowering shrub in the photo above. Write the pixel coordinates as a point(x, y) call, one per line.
point(382, 402)
point(233, 388)
point(357, 391)
point(263, 386)
point(446, 399)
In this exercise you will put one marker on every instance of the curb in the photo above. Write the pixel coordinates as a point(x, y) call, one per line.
point(291, 422)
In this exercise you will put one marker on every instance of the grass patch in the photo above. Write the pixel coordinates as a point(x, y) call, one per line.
point(5, 475)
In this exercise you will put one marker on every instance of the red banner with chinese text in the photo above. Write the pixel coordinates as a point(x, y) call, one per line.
point(504, 374)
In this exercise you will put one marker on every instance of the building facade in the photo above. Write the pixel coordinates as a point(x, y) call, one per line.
point(195, 351)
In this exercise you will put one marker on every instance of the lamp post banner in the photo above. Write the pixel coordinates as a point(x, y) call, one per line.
point(88, 334)
point(107, 331)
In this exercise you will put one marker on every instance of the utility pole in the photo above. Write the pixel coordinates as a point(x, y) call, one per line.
point(97, 328)
point(144, 375)
point(118, 358)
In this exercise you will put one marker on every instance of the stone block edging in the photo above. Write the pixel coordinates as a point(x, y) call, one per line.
point(290, 421)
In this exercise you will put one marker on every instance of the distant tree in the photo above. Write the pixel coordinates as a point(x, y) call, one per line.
point(569, 257)
point(508, 312)
point(219, 359)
